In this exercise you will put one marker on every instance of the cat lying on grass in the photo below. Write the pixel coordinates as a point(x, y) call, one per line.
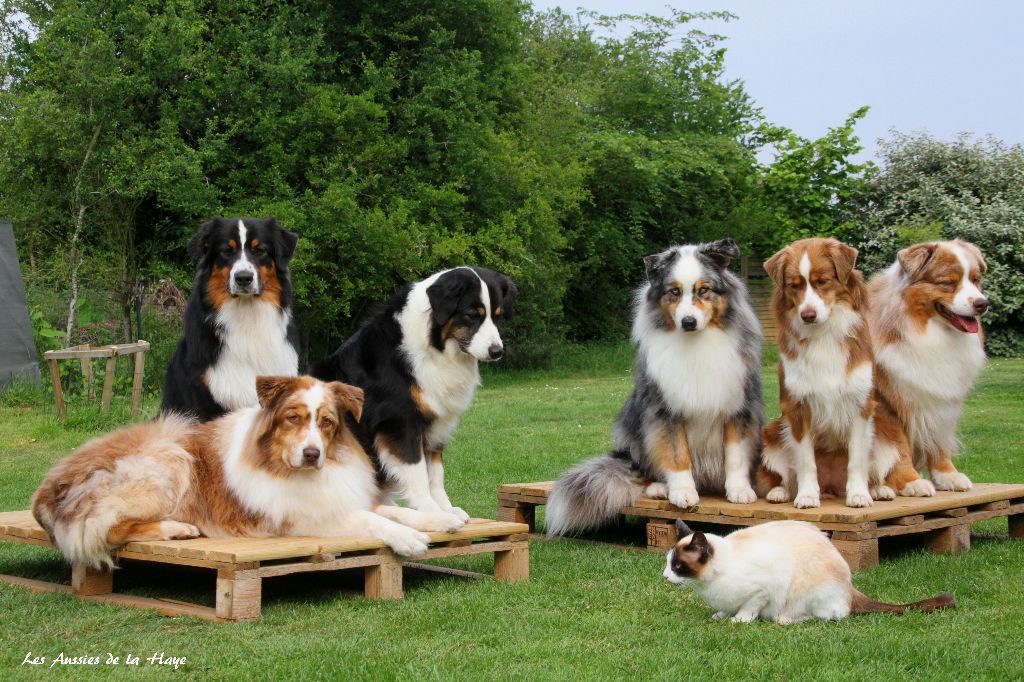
point(782, 571)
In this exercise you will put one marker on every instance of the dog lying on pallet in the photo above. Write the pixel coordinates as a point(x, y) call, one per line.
point(287, 467)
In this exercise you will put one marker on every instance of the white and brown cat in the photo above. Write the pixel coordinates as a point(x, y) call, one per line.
point(782, 571)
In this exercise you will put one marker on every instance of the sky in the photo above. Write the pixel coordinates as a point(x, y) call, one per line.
point(938, 66)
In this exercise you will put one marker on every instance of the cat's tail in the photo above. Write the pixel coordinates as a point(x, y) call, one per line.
point(863, 604)
point(591, 494)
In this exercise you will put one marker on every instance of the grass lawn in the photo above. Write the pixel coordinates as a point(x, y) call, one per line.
point(588, 611)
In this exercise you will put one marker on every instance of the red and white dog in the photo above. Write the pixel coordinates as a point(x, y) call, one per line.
point(822, 443)
point(929, 350)
point(287, 467)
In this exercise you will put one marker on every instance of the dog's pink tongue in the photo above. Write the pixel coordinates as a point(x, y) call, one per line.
point(966, 324)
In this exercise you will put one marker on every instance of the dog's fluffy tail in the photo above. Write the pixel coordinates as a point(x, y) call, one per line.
point(864, 604)
point(591, 494)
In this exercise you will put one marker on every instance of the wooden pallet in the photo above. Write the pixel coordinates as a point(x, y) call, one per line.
point(942, 523)
point(242, 563)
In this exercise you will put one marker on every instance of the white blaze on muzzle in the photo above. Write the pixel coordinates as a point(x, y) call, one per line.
point(311, 438)
point(487, 337)
point(811, 301)
point(687, 271)
point(250, 283)
point(967, 293)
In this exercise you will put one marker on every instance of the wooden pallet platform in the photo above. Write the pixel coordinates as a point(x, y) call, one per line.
point(242, 563)
point(942, 523)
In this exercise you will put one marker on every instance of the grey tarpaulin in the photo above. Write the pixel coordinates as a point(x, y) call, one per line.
point(17, 349)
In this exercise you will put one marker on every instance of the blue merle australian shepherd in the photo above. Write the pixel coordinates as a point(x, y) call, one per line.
point(693, 422)
point(416, 360)
point(238, 323)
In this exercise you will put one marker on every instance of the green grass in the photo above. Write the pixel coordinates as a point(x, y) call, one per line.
point(588, 611)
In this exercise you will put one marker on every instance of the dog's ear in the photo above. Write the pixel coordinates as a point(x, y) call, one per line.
point(509, 295)
point(347, 398)
point(720, 252)
point(199, 245)
point(844, 257)
point(776, 268)
point(656, 264)
point(284, 245)
point(913, 259)
point(270, 388)
point(700, 546)
point(982, 265)
point(444, 295)
point(682, 530)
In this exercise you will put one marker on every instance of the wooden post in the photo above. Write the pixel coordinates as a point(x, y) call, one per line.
point(661, 535)
point(87, 378)
point(58, 392)
point(1016, 523)
point(859, 554)
point(951, 540)
point(239, 594)
point(108, 383)
point(512, 565)
point(384, 580)
point(88, 581)
point(519, 513)
point(140, 358)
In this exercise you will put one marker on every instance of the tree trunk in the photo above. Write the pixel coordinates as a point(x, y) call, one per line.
point(76, 260)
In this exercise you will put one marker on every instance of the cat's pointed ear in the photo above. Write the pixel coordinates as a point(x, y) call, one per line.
point(682, 530)
point(700, 546)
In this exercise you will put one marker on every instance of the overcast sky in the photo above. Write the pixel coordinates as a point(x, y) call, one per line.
point(939, 66)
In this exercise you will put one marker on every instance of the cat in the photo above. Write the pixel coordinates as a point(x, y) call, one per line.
point(781, 571)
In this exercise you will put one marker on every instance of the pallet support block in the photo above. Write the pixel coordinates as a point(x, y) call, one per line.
point(661, 535)
point(88, 581)
point(952, 540)
point(518, 513)
point(239, 594)
point(384, 580)
point(859, 554)
point(512, 565)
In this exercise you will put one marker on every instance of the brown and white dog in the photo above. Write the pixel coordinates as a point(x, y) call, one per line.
point(288, 467)
point(823, 440)
point(929, 350)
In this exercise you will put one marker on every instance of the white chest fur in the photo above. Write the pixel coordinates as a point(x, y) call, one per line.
point(254, 341)
point(309, 502)
point(818, 376)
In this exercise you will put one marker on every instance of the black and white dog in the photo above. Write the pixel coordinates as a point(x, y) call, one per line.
point(693, 422)
point(416, 360)
point(238, 323)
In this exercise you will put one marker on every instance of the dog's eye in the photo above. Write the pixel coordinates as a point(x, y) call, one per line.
point(821, 281)
point(260, 250)
point(326, 424)
point(293, 419)
point(226, 250)
point(674, 291)
point(703, 291)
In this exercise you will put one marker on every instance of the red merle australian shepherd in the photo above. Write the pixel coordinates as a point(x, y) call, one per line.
point(238, 323)
point(416, 359)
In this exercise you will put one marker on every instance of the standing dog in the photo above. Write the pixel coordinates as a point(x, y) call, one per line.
point(238, 323)
point(693, 421)
point(416, 359)
point(824, 438)
point(928, 342)
point(288, 467)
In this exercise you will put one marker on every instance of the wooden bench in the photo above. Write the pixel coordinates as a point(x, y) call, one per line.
point(85, 354)
point(242, 563)
point(942, 523)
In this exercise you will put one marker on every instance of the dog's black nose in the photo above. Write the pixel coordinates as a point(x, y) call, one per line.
point(688, 323)
point(243, 278)
point(980, 305)
point(808, 315)
point(495, 351)
point(310, 455)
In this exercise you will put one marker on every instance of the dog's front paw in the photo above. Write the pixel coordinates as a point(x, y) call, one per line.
point(176, 530)
point(807, 500)
point(683, 498)
point(742, 617)
point(460, 513)
point(858, 498)
point(952, 480)
point(719, 615)
point(407, 542)
point(741, 494)
point(657, 491)
point(920, 487)
point(883, 492)
point(778, 494)
point(442, 523)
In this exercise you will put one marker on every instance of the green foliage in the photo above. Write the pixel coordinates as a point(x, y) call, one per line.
point(966, 189)
point(43, 333)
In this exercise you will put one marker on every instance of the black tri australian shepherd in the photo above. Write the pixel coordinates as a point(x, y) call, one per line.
point(238, 324)
point(416, 360)
point(693, 422)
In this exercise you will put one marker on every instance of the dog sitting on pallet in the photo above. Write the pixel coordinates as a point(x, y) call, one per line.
point(287, 467)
